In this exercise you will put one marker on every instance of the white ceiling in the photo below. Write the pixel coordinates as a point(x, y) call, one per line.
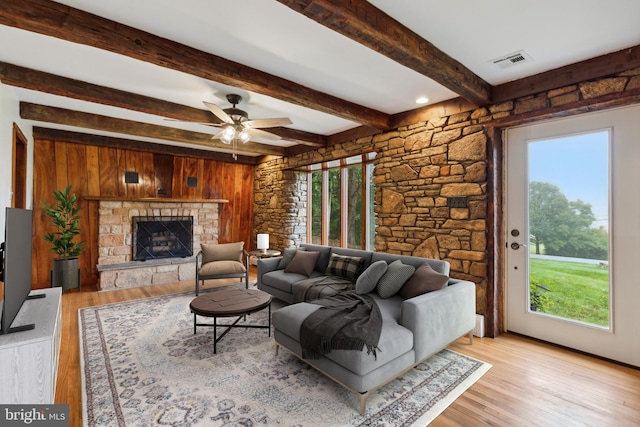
point(268, 36)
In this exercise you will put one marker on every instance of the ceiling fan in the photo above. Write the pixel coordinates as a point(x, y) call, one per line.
point(236, 126)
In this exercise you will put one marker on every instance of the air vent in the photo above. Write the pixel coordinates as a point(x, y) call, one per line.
point(512, 59)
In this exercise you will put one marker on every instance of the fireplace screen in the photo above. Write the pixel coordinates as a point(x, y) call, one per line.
point(162, 237)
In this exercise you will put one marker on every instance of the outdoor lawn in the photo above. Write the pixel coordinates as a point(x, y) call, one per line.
point(577, 291)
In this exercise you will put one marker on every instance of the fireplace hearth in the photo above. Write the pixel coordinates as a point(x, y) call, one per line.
point(157, 237)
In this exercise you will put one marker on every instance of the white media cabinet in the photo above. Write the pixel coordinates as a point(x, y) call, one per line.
point(29, 359)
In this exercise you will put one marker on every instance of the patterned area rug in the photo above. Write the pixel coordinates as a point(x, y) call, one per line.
point(142, 365)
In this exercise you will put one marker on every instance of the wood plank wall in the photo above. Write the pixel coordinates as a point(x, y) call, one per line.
point(99, 171)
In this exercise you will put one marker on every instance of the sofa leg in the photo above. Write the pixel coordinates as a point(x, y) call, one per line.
point(471, 338)
point(362, 397)
point(277, 348)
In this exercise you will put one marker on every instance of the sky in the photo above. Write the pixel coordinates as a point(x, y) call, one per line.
point(578, 165)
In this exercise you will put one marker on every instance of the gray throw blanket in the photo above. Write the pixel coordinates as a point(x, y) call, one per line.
point(313, 288)
point(346, 321)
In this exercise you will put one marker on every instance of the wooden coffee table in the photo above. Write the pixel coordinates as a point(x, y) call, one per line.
point(229, 303)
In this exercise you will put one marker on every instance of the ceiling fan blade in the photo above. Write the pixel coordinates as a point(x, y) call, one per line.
point(218, 112)
point(267, 123)
point(263, 134)
point(217, 135)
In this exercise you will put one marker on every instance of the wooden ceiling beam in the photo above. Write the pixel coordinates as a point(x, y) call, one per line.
point(74, 25)
point(63, 116)
point(601, 66)
point(362, 22)
point(27, 78)
point(132, 144)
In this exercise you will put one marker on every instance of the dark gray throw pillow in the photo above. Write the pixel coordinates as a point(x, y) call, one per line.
point(368, 280)
point(424, 280)
point(287, 256)
point(394, 278)
point(303, 262)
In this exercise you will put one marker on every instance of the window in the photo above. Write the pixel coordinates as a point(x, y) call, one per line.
point(341, 198)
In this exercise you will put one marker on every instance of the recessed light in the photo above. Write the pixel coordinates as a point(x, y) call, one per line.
point(422, 100)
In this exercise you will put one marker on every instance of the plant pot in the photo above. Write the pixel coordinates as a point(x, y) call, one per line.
point(65, 273)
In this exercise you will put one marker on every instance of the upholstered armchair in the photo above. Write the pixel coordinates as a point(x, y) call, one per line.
point(222, 261)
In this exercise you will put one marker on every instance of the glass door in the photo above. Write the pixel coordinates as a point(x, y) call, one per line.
point(568, 280)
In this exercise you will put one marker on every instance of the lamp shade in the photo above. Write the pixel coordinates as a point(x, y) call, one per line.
point(263, 242)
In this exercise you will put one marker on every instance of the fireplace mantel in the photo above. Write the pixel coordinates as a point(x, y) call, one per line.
point(152, 199)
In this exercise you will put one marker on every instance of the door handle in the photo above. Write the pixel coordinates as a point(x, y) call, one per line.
point(516, 246)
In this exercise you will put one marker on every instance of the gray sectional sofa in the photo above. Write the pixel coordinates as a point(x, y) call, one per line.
point(413, 329)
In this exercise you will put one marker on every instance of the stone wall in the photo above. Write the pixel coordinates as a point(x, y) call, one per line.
point(115, 267)
point(418, 167)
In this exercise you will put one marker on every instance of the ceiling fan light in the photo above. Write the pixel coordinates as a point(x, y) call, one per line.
point(244, 136)
point(228, 134)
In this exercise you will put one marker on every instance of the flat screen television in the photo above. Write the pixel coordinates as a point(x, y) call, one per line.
point(16, 267)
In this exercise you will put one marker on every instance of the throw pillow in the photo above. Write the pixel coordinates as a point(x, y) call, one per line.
point(424, 280)
point(303, 262)
point(345, 266)
point(287, 256)
point(368, 280)
point(222, 252)
point(394, 278)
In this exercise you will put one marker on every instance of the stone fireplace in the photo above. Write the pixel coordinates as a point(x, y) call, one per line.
point(157, 237)
point(117, 264)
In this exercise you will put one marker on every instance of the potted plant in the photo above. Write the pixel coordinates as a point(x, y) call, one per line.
point(64, 215)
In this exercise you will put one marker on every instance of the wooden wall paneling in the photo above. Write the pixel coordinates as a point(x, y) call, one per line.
point(108, 185)
point(147, 175)
point(246, 212)
point(201, 183)
point(61, 165)
point(178, 176)
point(209, 185)
point(163, 172)
point(44, 184)
point(227, 186)
point(135, 163)
point(238, 233)
point(77, 177)
point(190, 169)
point(93, 170)
point(93, 183)
point(121, 168)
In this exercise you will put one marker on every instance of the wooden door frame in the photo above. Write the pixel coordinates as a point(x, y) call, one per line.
point(19, 168)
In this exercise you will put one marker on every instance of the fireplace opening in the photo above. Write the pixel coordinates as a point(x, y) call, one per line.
point(162, 237)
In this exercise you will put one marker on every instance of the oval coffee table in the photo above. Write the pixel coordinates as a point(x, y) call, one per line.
point(229, 303)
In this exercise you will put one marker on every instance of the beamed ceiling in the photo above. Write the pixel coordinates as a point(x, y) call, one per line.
point(137, 72)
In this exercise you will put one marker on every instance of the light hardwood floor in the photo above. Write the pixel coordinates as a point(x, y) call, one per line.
point(530, 383)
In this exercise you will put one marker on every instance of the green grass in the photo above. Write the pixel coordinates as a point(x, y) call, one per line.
point(576, 291)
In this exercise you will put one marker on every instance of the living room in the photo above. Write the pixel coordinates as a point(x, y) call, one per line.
point(430, 155)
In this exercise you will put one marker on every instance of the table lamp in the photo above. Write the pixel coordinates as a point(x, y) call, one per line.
point(263, 242)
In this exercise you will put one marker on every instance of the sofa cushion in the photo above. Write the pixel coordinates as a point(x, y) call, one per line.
point(424, 280)
point(368, 280)
point(222, 251)
point(323, 258)
point(438, 265)
point(284, 281)
point(303, 262)
point(395, 339)
point(287, 256)
point(215, 268)
point(365, 255)
point(394, 278)
point(348, 267)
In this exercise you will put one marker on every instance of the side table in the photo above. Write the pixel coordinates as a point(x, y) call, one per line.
point(265, 254)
